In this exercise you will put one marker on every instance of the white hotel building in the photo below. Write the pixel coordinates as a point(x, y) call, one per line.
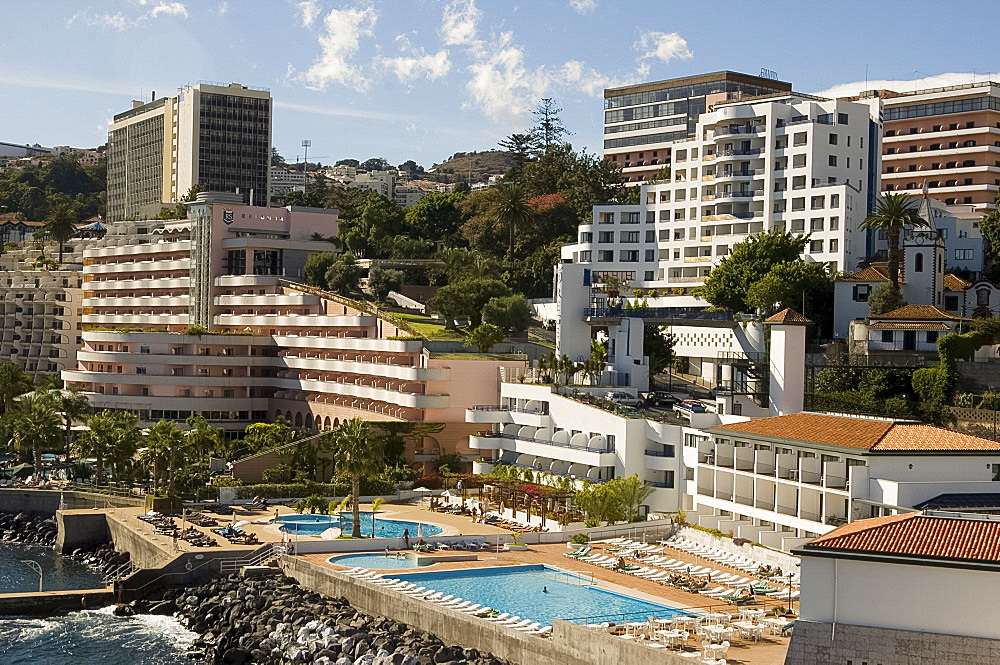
point(788, 162)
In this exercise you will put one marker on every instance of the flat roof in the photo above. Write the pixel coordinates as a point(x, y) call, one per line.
point(725, 75)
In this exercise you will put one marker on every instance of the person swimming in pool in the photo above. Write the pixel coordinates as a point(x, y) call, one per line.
point(545, 589)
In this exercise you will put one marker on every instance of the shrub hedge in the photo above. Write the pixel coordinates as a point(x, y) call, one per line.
point(371, 487)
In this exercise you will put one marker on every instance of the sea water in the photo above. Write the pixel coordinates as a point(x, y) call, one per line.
point(85, 637)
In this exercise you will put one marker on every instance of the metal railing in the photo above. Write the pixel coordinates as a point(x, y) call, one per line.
point(547, 442)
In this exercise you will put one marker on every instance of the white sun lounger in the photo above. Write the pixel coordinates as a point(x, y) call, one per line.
point(469, 609)
point(541, 632)
point(500, 617)
point(460, 606)
point(523, 623)
point(415, 592)
point(357, 571)
point(531, 626)
point(509, 622)
point(443, 600)
point(481, 612)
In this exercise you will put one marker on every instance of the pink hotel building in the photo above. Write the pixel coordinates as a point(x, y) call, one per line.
point(274, 348)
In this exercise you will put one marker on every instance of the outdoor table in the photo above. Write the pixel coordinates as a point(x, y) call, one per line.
point(670, 637)
point(775, 625)
point(717, 633)
point(686, 621)
point(752, 630)
point(717, 617)
point(751, 615)
point(712, 651)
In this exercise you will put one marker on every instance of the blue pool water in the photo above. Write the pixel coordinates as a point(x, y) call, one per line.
point(376, 561)
point(518, 590)
point(314, 525)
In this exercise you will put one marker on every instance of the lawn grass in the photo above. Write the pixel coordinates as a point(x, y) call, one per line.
point(430, 328)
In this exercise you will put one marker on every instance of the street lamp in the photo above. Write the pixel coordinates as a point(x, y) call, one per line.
point(790, 575)
point(37, 568)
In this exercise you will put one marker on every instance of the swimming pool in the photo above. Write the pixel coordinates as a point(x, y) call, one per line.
point(314, 525)
point(374, 560)
point(518, 590)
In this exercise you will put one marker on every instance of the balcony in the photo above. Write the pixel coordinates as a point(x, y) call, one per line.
point(556, 450)
point(732, 154)
point(729, 131)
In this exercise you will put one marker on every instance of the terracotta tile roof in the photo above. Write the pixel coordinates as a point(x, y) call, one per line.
point(917, 313)
point(908, 325)
point(919, 437)
point(816, 428)
point(955, 283)
point(870, 274)
point(787, 315)
point(862, 434)
point(917, 535)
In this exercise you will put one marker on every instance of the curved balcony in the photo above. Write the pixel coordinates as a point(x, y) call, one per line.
point(744, 130)
point(160, 359)
point(658, 460)
point(138, 284)
point(729, 155)
point(292, 320)
point(139, 302)
point(402, 372)
point(573, 453)
point(267, 300)
point(743, 174)
point(195, 381)
point(139, 266)
point(349, 343)
point(136, 319)
point(486, 414)
point(413, 400)
point(482, 467)
point(143, 248)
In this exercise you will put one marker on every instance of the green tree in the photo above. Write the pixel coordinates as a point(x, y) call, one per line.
point(549, 129)
point(203, 439)
point(316, 267)
point(885, 298)
point(510, 208)
point(74, 406)
point(367, 225)
point(727, 286)
point(631, 492)
point(436, 217)
point(521, 147)
point(267, 436)
point(484, 337)
point(60, 224)
point(658, 346)
point(893, 213)
point(508, 313)
point(383, 280)
point(36, 425)
point(376, 506)
point(170, 445)
point(805, 287)
point(600, 502)
point(597, 363)
point(358, 453)
point(111, 437)
point(343, 275)
point(13, 382)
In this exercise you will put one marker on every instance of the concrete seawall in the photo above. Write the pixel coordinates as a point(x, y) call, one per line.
point(48, 602)
point(571, 644)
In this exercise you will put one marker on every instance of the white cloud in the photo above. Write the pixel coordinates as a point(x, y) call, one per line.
point(223, 9)
point(169, 9)
point(418, 64)
point(902, 85)
point(308, 11)
point(339, 42)
point(460, 23)
point(663, 46)
point(335, 112)
point(583, 6)
point(121, 21)
point(501, 86)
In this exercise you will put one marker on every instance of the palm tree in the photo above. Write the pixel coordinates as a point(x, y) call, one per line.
point(376, 504)
point(36, 425)
point(893, 213)
point(167, 441)
point(60, 224)
point(358, 452)
point(111, 437)
point(74, 406)
point(510, 207)
point(13, 382)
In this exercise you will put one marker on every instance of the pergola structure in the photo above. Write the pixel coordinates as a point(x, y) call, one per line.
point(532, 499)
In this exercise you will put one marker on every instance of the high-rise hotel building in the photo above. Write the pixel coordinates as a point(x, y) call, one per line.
point(642, 121)
point(211, 135)
point(947, 138)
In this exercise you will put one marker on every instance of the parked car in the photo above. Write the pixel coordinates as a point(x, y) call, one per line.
point(660, 398)
point(690, 406)
point(625, 399)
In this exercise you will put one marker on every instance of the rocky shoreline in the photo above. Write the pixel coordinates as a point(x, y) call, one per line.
point(39, 530)
point(274, 621)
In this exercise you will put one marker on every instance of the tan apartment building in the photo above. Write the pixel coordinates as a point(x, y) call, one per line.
point(642, 120)
point(947, 138)
point(214, 135)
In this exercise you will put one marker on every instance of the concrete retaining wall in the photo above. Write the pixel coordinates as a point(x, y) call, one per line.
point(29, 501)
point(48, 602)
point(820, 643)
point(570, 644)
point(80, 529)
point(145, 553)
point(771, 557)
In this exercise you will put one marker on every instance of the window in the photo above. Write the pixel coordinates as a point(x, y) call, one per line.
point(995, 470)
point(143, 349)
point(834, 246)
point(951, 303)
point(983, 297)
point(815, 246)
point(586, 236)
point(887, 336)
point(964, 254)
point(932, 336)
point(833, 139)
point(605, 255)
point(834, 221)
point(737, 409)
point(587, 256)
point(918, 262)
point(648, 275)
point(650, 257)
point(651, 235)
point(629, 236)
point(140, 370)
point(631, 218)
point(606, 236)
point(800, 138)
point(798, 161)
point(817, 202)
point(629, 255)
point(832, 160)
point(842, 118)
point(816, 224)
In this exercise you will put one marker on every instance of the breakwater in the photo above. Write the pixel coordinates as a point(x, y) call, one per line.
point(274, 620)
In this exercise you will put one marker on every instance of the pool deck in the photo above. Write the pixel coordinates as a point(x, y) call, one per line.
point(770, 650)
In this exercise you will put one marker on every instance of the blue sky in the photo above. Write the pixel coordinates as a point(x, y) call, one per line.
point(422, 79)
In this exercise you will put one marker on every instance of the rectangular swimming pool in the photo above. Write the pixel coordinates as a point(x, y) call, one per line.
point(519, 590)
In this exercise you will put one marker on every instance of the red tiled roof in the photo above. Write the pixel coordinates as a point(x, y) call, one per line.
point(787, 315)
point(909, 325)
point(955, 283)
point(862, 434)
point(917, 313)
point(872, 273)
point(917, 535)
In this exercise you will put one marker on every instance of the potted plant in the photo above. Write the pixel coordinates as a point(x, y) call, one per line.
point(515, 545)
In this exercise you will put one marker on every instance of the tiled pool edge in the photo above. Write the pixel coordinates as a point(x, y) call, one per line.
point(571, 644)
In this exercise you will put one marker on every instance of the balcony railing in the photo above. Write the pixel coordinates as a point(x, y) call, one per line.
point(655, 483)
point(738, 153)
point(726, 131)
point(659, 453)
point(547, 442)
point(497, 407)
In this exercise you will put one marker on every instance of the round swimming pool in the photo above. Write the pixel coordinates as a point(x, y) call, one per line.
point(314, 525)
point(374, 561)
